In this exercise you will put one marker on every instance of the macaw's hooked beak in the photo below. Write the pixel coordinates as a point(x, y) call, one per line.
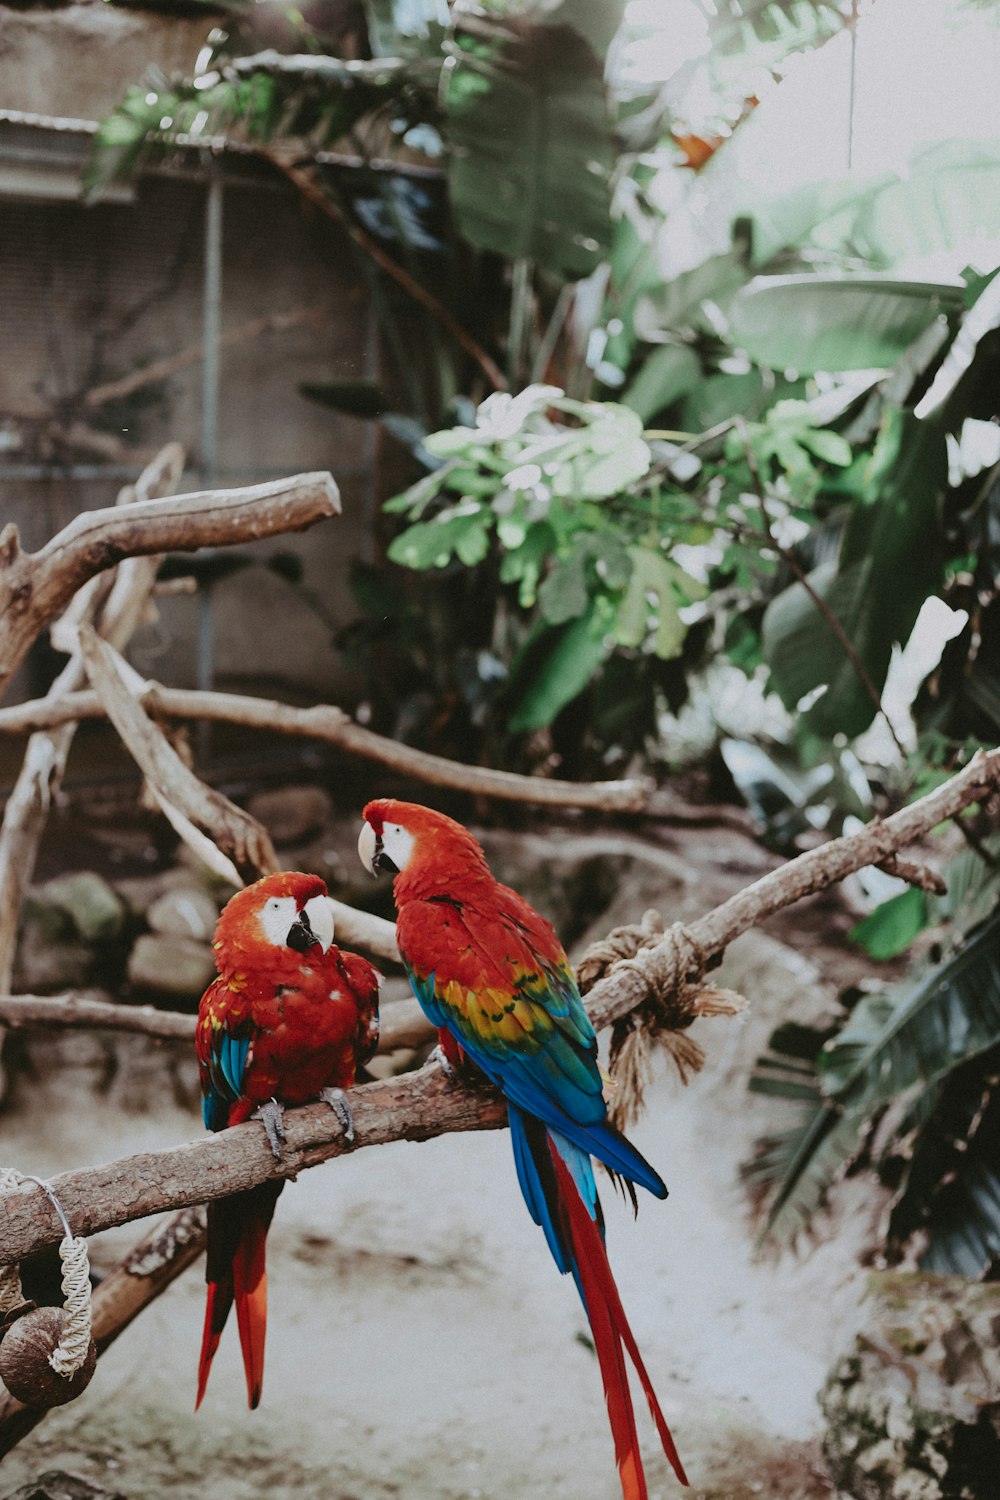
point(300, 935)
point(369, 848)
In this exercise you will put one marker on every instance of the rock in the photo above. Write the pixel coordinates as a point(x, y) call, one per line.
point(46, 962)
point(56, 1484)
point(290, 814)
point(93, 907)
point(172, 964)
point(913, 1411)
point(187, 911)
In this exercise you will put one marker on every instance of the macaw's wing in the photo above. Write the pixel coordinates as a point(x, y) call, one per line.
point(514, 1008)
point(223, 1043)
point(364, 982)
point(497, 978)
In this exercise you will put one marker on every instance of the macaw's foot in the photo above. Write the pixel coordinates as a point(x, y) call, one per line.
point(337, 1100)
point(443, 1061)
point(272, 1117)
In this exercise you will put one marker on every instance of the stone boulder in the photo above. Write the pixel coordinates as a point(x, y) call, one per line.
point(94, 909)
point(913, 1410)
point(171, 964)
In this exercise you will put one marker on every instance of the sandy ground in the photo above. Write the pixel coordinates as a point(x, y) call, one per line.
point(421, 1343)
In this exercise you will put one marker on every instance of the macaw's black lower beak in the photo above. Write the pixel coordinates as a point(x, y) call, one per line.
point(300, 935)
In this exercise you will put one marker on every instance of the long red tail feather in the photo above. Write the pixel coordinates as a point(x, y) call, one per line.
point(611, 1331)
point(217, 1304)
point(250, 1296)
point(235, 1272)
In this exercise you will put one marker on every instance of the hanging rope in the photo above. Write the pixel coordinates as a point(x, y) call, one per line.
point(671, 965)
point(71, 1351)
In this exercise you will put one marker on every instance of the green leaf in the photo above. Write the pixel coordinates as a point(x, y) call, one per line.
point(890, 561)
point(531, 147)
point(416, 499)
point(827, 445)
point(917, 1032)
point(523, 565)
point(431, 544)
point(891, 927)
point(563, 596)
point(659, 582)
point(667, 373)
point(809, 323)
point(554, 665)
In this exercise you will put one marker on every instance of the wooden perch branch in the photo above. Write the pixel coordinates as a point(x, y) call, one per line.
point(35, 586)
point(415, 1107)
point(334, 727)
point(403, 1023)
point(177, 789)
point(421, 1105)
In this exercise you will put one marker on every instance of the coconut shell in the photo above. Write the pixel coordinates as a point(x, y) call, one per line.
point(24, 1360)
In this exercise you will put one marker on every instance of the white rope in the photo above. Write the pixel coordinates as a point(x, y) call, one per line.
point(71, 1351)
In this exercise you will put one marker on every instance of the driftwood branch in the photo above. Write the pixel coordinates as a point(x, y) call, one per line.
point(334, 727)
point(35, 586)
point(184, 798)
point(421, 1105)
point(403, 1023)
point(148, 1269)
point(117, 605)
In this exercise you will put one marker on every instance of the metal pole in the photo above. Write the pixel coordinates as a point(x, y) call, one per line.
point(211, 320)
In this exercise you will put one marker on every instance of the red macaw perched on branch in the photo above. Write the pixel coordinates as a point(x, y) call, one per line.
point(491, 974)
point(290, 1019)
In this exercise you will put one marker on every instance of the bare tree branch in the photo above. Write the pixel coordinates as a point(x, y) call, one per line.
point(334, 727)
point(148, 1269)
point(403, 1023)
point(35, 586)
point(45, 756)
point(421, 1105)
point(176, 788)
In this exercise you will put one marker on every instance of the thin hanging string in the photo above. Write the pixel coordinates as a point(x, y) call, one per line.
point(71, 1351)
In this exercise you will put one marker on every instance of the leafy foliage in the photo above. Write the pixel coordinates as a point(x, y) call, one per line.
point(926, 1050)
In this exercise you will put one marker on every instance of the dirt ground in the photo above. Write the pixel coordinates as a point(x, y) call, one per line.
point(421, 1343)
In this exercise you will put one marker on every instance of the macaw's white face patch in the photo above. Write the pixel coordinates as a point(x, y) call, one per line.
point(394, 845)
point(318, 911)
point(397, 844)
point(276, 917)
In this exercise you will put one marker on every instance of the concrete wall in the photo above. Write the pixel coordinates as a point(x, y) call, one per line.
point(90, 294)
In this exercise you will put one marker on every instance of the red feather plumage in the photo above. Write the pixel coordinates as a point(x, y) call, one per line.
point(279, 1023)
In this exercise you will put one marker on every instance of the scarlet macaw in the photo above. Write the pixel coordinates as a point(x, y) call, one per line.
point(491, 975)
point(290, 1019)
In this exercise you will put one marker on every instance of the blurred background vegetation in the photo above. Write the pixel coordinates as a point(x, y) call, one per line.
point(690, 332)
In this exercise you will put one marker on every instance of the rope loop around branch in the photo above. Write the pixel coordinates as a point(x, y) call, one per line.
point(71, 1351)
point(671, 966)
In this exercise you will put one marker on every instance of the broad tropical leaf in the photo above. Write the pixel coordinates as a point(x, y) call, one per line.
point(890, 561)
point(951, 1189)
point(553, 666)
point(531, 147)
point(920, 1030)
point(809, 323)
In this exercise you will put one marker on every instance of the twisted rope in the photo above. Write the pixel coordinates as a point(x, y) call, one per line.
point(671, 965)
point(71, 1351)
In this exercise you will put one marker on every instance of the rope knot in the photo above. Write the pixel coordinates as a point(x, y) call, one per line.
point(671, 967)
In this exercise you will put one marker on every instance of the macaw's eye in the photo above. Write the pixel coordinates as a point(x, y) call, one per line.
point(274, 904)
